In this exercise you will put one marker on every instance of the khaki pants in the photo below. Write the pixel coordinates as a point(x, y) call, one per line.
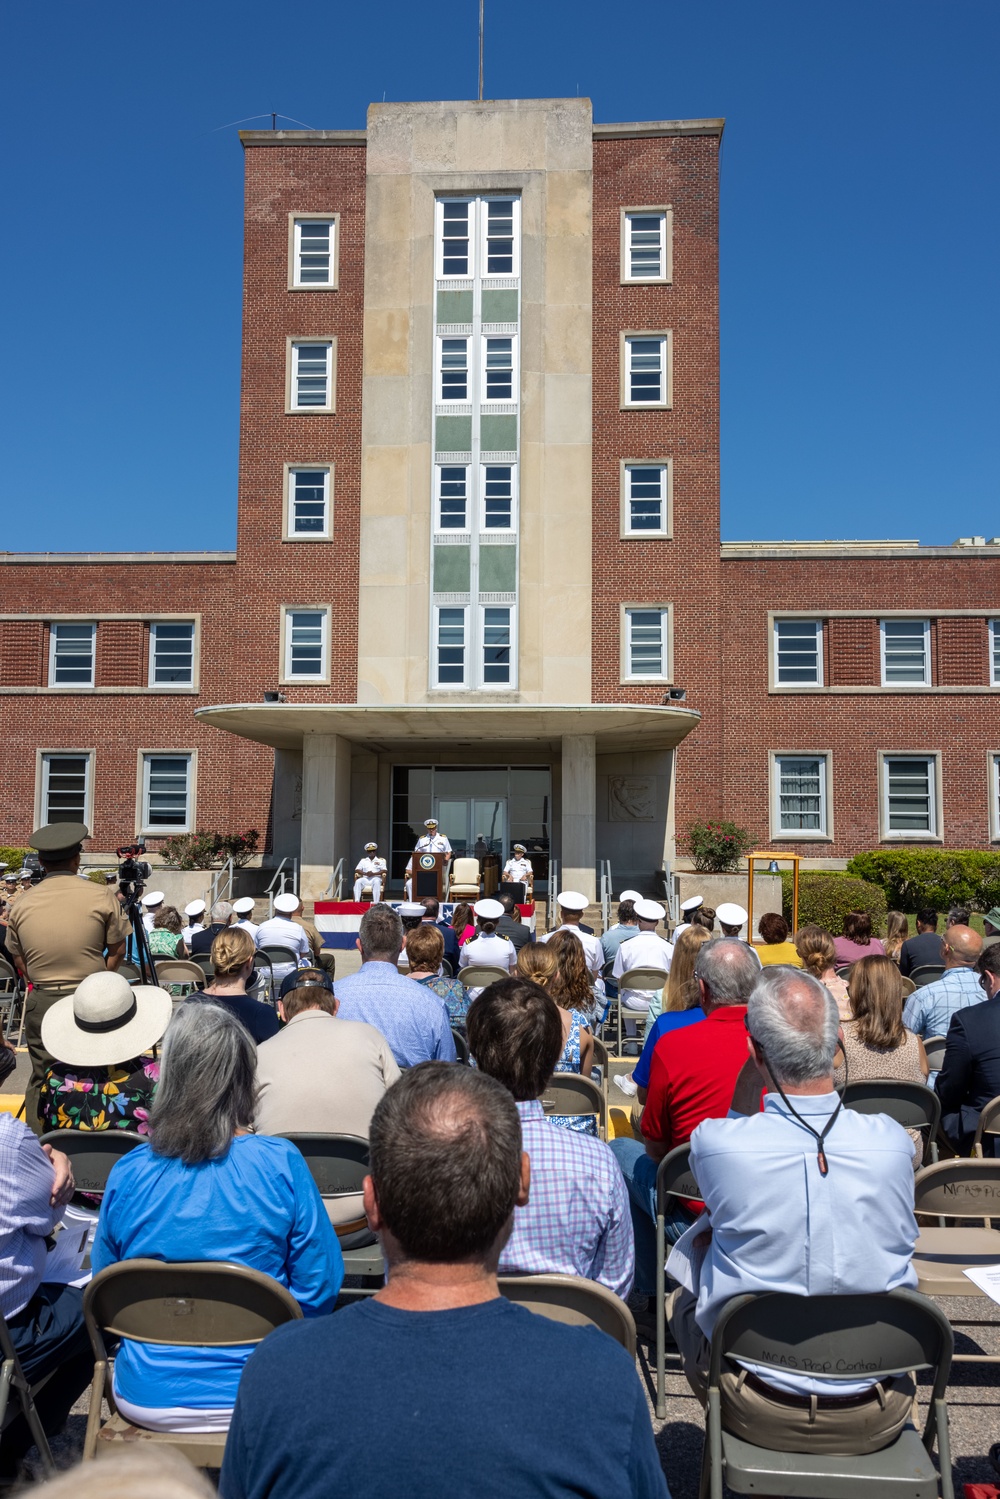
point(37, 1004)
point(749, 1413)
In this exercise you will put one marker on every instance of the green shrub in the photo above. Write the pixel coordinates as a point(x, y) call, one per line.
point(203, 850)
point(14, 857)
point(716, 847)
point(826, 898)
point(915, 877)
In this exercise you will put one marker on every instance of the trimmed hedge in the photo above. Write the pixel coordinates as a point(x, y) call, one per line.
point(14, 857)
point(915, 877)
point(827, 898)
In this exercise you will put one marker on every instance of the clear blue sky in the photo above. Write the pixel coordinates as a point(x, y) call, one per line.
point(860, 234)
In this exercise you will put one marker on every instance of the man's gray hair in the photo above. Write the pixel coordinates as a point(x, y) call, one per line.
point(208, 1083)
point(380, 934)
point(728, 968)
point(794, 1020)
point(221, 913)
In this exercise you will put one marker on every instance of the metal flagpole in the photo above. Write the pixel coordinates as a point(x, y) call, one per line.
point(481, 3)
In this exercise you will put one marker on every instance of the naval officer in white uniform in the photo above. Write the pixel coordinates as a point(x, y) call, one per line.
point(432, 842)
point(518, 869)
point(370, 872)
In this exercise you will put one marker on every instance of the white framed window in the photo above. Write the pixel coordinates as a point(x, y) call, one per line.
point(499, 497)
point(71, 654)
point(646, 235)
point(800, 795)
point(454, 216)
point(167, 786)
point(312, 372)
point(498, 645)
point(478, 235)
point(66, 786)
point(308, 508)
point(499, 383)
point(995, 652)
point(171, 653)
point(306, 646)
point(906, 651)
point(646, 381)
point(451, 645)
point(645, 642)
point(910, 795)
point(993, 772)
point(313, 251)
point(452, 497)
point(798, 653)
point(646, 497)
point(500, 235)
point(453, 363)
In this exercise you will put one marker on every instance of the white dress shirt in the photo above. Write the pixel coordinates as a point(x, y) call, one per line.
point(645, 950)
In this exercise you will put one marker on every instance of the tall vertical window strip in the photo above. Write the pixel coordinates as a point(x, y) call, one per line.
point(454, 369)
point(499, 236)
point(306, 643)
point(646, 246)
point(453, 497)
point(310, 375)
point(647, 371)
point(166, 792)
point(496, 646)
point(906, 655)
point(798, 659)
point(71, 661)
point(313, 251)
point(909, 794)
point(65, 788)
point(309, 501)
point(647, 497)
point(498, 497)
point(455, 258)
point(499, 369)
point(451, 647)
point(801, 793)
point(646, 642)
point(995, 652)
point(171, 649)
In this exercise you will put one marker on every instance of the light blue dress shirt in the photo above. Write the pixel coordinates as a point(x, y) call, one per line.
point(778, 1225)
point(412, 1019)
point(928, 1010)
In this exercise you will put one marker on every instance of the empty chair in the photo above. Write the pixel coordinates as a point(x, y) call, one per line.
point(568, 1093)
point(181, 974)
point(479, 975)
point(913, 1105)
point(575, 1301)
point(338, 1165)
point(464, 884)
point(970, 1191)
point(928, 974)
point(674, 1179)
point(92, 1152)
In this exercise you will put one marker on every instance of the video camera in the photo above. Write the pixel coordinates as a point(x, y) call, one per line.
point(132, 872)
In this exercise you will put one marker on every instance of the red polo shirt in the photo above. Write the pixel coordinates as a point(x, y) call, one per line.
point(693, 1075)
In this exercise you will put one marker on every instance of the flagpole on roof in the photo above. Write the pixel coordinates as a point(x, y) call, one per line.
point(481, 3)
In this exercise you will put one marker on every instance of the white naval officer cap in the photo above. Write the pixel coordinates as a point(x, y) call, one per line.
point(194, 908)
point(572, 900)
point(730, 914)
point(519, 848)
point(286, 901)
point(430, 822)
point(371, 848)
point(632, 895)
point(692, 903)
point(649, 910)
point(244, 905)
point(154, 898)
point(408, 908)
point(489, 910)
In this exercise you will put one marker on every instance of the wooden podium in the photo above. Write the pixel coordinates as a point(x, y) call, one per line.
point(428, 875)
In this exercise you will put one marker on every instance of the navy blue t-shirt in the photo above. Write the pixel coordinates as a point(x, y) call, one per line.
point(260, 1019)
point(481, 1402)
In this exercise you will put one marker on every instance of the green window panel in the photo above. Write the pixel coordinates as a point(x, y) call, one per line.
point(497, 569)
point(451, 569)
point(497, 434)
point(455, 307)
point(498, 306)
point(453, 434)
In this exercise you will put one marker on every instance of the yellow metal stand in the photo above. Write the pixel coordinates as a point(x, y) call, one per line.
point(793, 860)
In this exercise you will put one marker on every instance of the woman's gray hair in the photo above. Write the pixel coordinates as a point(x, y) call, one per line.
point(208, 1083)
point(794, 1020)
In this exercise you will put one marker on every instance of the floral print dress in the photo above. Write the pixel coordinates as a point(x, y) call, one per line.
point(116, 1097)
point(569, 1061)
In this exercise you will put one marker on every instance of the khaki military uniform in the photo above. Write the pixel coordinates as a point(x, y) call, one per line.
point(59, 931)
point(321, 955)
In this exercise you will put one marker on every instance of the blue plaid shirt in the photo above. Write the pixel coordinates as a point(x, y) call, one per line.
point(928, 1010)
point(577, 1221)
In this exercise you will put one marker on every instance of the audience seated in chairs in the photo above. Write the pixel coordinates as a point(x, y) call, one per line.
point(438, 1341)
point(413, 1021)
point(857, 941)
point(539, 964)
point(816, 948)
point(923, 949)
point(929, 1010)
point(897, 929)
point(432, 909)
point(208, 1189)
point(847, 1227)
point(645, 950)
point(425, 950)
point(876, 1044)
point(166, 939)
point(45, 1320)
point(775, 946)
point(222, 916)
point(970, 1074)
point(463, 923)
point(233, 952)
point(578, 1011)
point(577, 1219)
point(101, 1037)
point(510, 924)
point(681, 1002)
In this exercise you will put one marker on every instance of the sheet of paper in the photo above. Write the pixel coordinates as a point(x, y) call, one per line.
point(68, 1261)
point(685, 1259)
point(987, 1278)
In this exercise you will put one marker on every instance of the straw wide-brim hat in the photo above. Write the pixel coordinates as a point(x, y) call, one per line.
point(106, 1020)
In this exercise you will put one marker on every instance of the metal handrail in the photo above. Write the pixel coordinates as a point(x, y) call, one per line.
point(286, 879)
point(222, 877)
point(605, 867)
point(673, 897)
point(550, 899)
point(335, 883)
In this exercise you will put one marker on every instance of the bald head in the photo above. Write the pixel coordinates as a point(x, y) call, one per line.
point(962, 946)
point(794, 1020)
point(726, 970)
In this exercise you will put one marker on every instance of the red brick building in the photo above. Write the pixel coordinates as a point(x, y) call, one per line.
point(478, 562)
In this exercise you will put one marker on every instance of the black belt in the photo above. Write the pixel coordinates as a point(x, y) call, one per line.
point(805, 1402)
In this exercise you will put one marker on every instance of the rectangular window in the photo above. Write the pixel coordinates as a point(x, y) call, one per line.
point(166, 793)
point(909, 796)
point(646, 369)
point(800, 794)
point(71, 655)
point(455, 238)
point(450, 647)
point(645, 653)
point(498, 497)
point(452, 497)
point(798, 653)
point(307, 645)
point(645, 499)
point(499, 382)
point(497, 647)
point(500, 237)
point(644, 249)
point(454, 369)
point(311, 377)
point(66, 782)
point(314, 252)
point(171, 653)
point(308, 502)
point(994, 768)
point(995, 652)
point(906, 651)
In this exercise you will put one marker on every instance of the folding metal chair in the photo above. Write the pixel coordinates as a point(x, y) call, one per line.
point(180, 974)
point(481, 975)
point(338, 1165)
point(934, 1048)
point(929, 973)
point(674, 1178)
point(461, 1046)
point(569, 1093)
point(646, 979)
point(572, 1300)
point(989, 1125)
point(970, 1191)
point(93, 1152)
point(913, 1105)
point(12, 1377)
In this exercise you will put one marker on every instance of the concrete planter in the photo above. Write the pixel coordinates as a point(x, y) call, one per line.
point(716, 888)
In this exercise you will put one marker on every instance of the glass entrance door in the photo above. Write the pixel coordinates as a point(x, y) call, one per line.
point(475, 826)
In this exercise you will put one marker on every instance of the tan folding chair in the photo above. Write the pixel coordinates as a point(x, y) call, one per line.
point(182, 976)
point(646, 979)
point(913, 1105)
point(189, 1305)
point(479, 975)
point(92, 1152)
point(338, 1165)
point(13, 1378)
point(574, 1301)
point(968, 1190)
point(908, 987)
point(674, 1178)
point(569, 1093)
point(934, 1048)
point(989, 1124)
point(603, 1061)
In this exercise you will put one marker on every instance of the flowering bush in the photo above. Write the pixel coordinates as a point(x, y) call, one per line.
point(716, 847)
point(203, 850)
